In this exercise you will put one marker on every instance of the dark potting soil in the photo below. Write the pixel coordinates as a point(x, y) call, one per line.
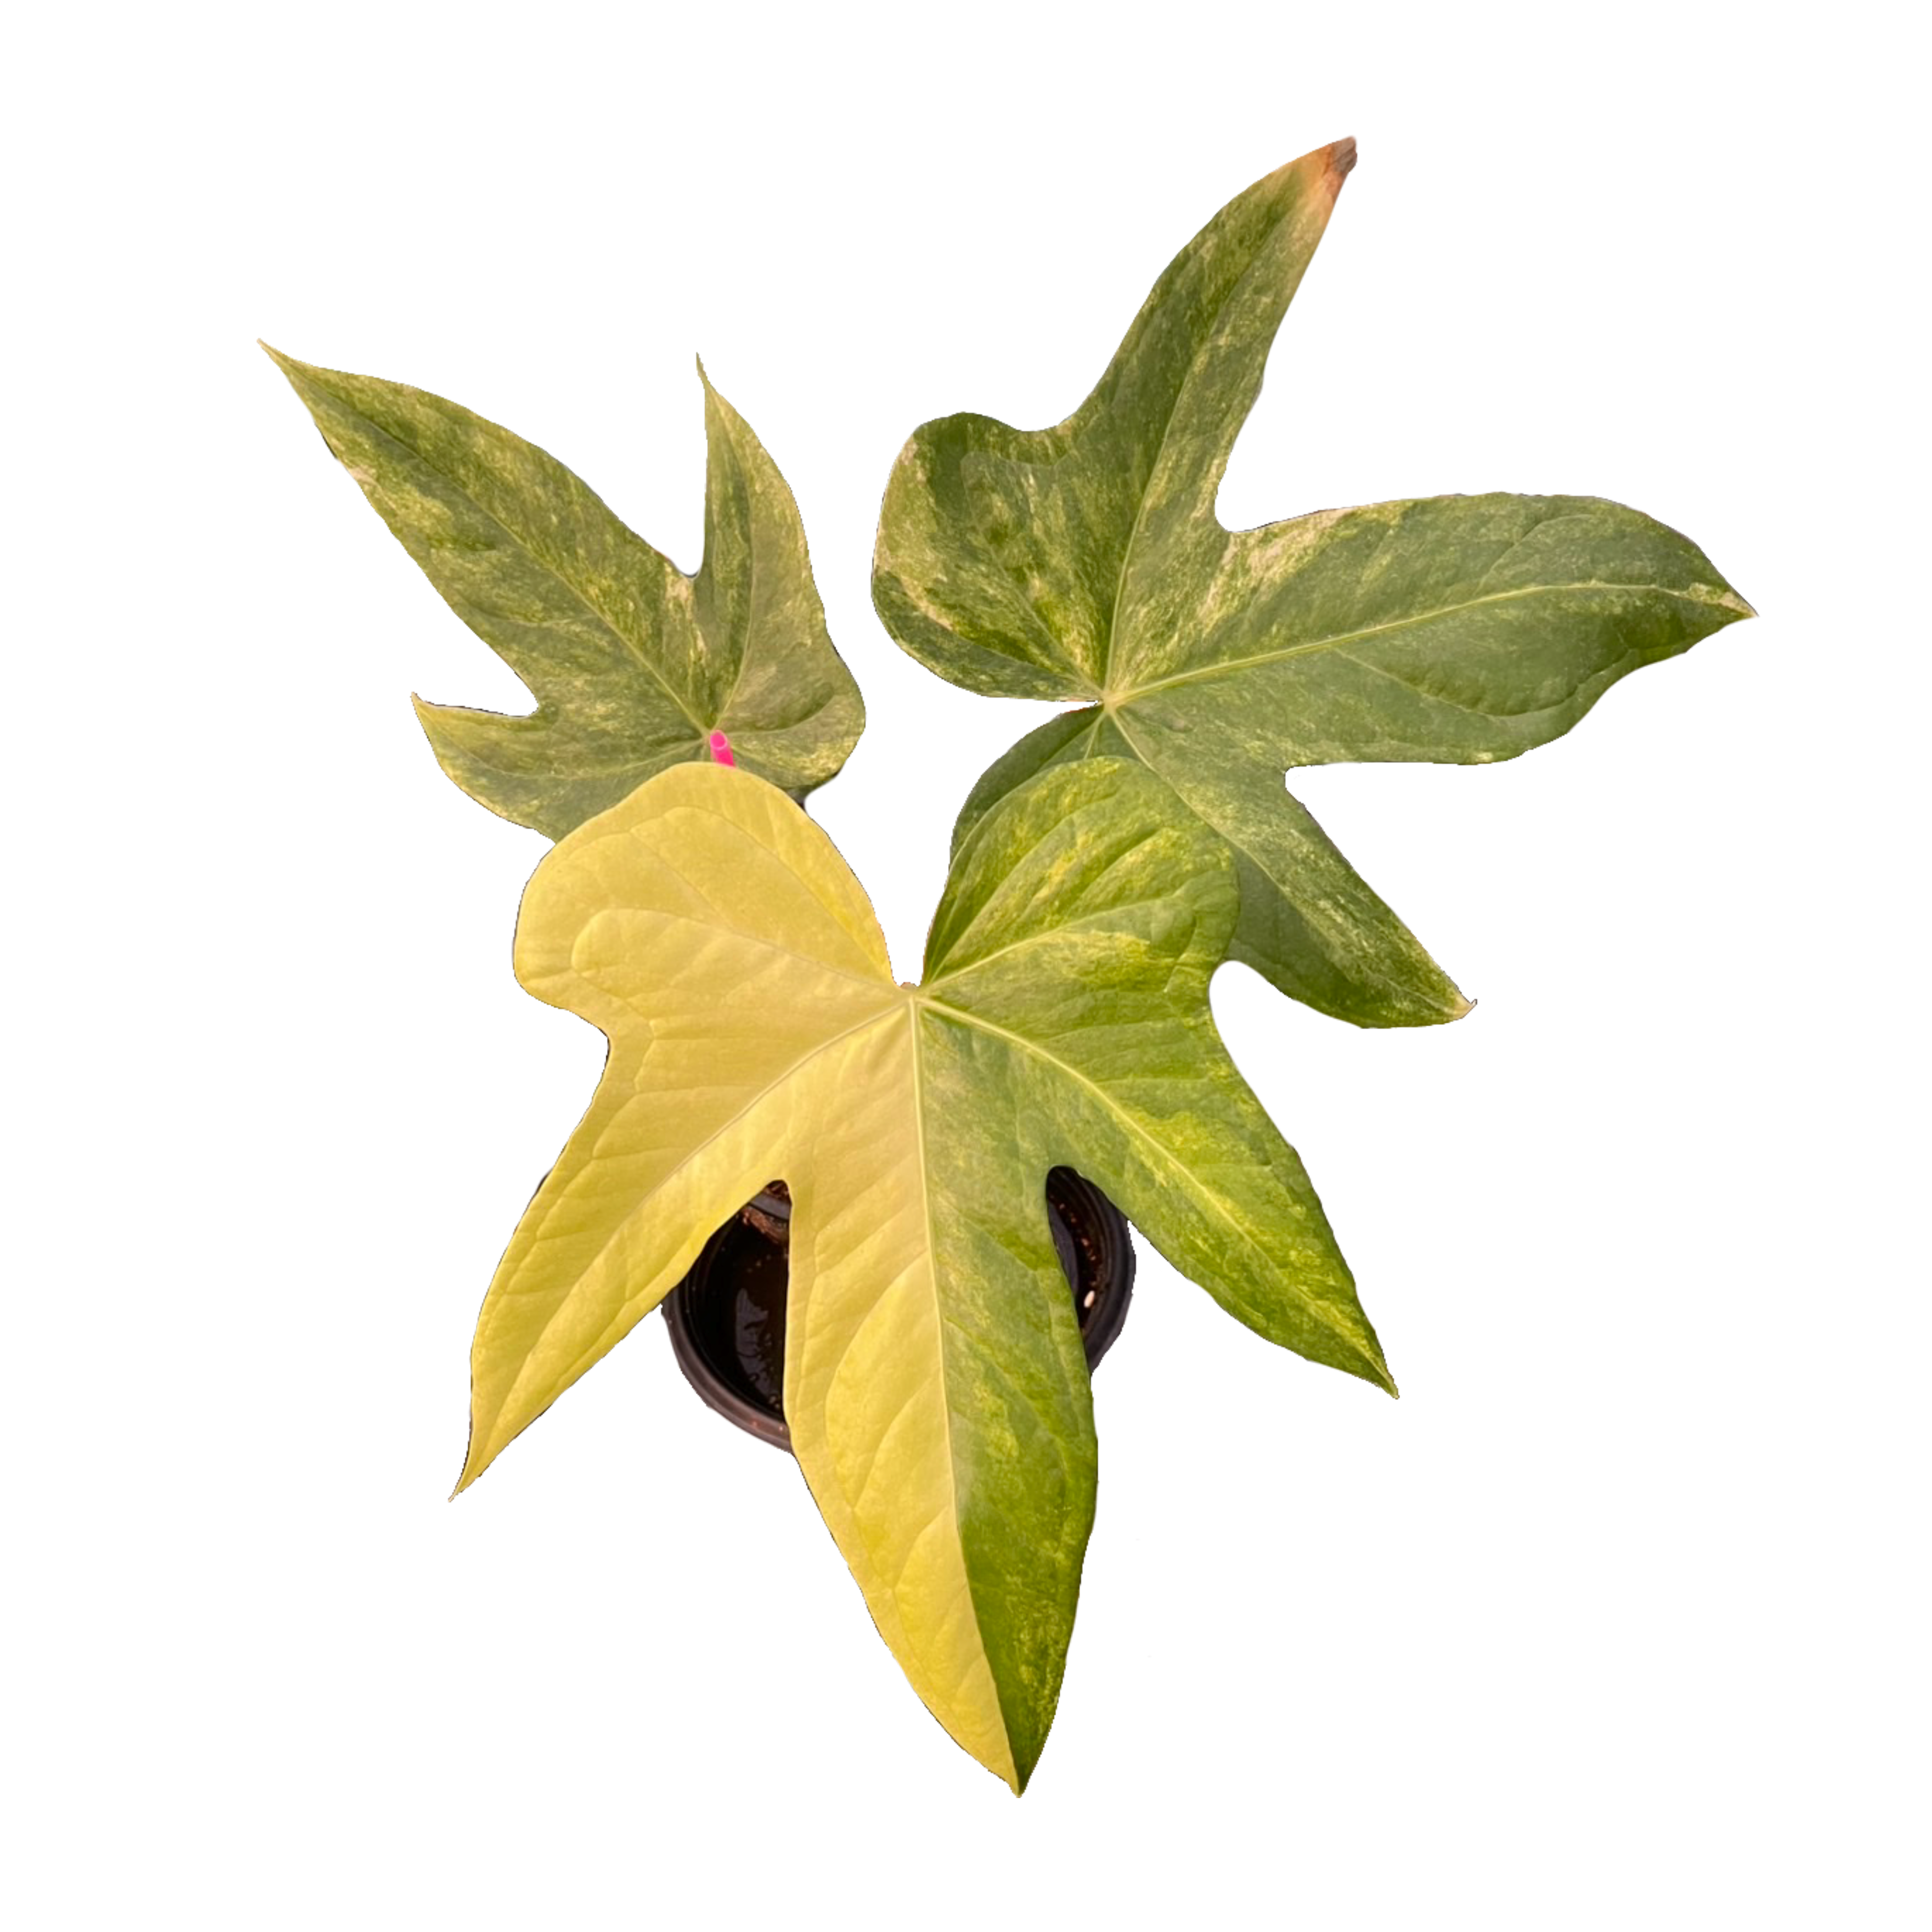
point(742, 1330)
point(758, 1272)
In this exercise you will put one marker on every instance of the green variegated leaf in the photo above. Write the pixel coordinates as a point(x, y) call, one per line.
point(1085, 562)
point(633, 664)
point(934, 1384)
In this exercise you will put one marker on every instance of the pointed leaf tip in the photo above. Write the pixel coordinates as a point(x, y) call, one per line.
point(1342, 157)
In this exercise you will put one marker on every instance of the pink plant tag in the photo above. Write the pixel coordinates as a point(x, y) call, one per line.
point(721, 748)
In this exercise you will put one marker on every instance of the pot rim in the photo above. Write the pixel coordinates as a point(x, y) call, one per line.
point(717, 1395)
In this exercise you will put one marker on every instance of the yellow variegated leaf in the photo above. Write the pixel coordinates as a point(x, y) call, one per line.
point(934, 1383)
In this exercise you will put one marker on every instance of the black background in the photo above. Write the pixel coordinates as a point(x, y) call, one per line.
point(1556, 1208)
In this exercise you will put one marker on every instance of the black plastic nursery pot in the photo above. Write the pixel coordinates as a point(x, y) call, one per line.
point(726, 1317)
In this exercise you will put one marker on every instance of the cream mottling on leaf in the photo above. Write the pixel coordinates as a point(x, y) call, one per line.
point(632, 663)
point(1086, 561)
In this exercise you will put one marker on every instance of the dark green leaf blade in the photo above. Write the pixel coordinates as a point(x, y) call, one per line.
point(632, 663)
point(1007, 557)
point(1309, 923)
point(1448, 629)
point(1071, 955)
point(1086, 561)
point(1072, 736)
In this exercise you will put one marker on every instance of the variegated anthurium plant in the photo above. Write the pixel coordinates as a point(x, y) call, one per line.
point(934, 1384)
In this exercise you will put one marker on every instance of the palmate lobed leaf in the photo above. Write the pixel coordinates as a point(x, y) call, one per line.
point(1085, 562)
point(633, 664)
point(934, 1384)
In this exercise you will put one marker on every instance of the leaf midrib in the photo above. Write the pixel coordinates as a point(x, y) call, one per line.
point(1080, 922)
point(864, 976)
point(750, 582)
point(940, 1324)
point(1202, 673)
point(516, 537)
point(546, 714)
point(1317, 1310)
point(1194, 362)
point(764, 1091)
point(1240, 844)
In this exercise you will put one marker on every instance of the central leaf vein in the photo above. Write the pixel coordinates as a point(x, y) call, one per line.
point(1202, 673)
point(1162, 1156)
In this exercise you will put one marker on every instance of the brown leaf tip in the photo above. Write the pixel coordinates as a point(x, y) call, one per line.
point(1342, 158)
